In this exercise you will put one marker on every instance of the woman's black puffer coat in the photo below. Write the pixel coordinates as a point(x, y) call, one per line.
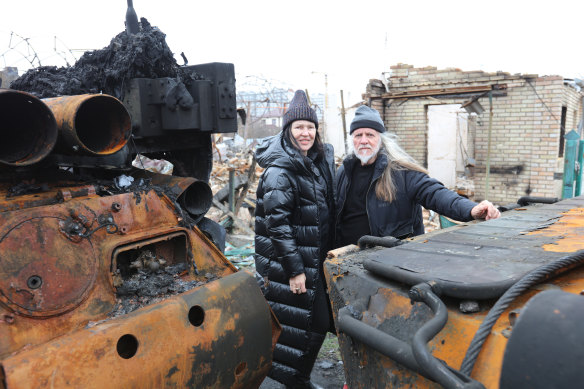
point(294, 230)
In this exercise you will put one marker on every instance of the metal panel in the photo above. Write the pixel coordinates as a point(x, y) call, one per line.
point(487, 256)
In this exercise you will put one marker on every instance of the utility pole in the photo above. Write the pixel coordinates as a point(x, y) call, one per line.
point(344, 121)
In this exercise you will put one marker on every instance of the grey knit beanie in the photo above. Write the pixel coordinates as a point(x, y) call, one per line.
point(299, 109)
point(366, 117)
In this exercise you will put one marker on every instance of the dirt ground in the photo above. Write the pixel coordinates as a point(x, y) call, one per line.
point(328, 370)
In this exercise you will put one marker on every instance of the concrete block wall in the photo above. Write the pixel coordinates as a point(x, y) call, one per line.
point(525, 135)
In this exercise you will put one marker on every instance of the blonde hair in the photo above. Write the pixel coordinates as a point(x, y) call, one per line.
point(397, 159)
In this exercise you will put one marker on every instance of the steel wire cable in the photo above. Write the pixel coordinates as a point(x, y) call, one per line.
point(501, 305)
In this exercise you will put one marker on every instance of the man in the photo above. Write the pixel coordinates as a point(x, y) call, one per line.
point(380, 188)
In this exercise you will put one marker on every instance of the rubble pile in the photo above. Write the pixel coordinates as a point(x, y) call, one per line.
point(238, 159)
point(246, 174)
point(431, 220)
point(465, 187)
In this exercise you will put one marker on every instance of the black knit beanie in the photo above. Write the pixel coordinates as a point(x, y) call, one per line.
point(299, 109)
point(366, 117)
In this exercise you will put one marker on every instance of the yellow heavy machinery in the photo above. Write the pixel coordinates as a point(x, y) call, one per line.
point(494, 304)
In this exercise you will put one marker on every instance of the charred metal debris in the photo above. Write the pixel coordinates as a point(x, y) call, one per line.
point(148, 280)
point(141, 55)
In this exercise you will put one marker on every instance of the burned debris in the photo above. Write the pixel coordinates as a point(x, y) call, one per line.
point(149, 279)
point(141, 55)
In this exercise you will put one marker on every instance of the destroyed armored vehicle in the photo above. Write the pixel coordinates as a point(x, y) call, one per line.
point(110, 274)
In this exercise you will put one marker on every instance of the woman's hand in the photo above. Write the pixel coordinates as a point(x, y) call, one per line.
point(298, 284)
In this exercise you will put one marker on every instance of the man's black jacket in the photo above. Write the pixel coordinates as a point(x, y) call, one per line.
point(402, 217)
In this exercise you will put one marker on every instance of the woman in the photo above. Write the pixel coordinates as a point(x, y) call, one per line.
point(294, 230)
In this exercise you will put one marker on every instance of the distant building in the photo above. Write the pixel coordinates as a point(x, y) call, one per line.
point(273, 117)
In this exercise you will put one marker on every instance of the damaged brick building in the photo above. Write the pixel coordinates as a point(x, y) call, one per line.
point(425, 108)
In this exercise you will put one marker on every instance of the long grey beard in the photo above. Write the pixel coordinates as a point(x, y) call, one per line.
point(366, 158)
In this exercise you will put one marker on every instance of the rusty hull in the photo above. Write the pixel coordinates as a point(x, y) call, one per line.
point(58, 286)
point(199, 339)
point(546, 232)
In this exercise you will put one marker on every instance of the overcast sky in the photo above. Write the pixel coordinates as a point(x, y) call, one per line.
point(298, 42)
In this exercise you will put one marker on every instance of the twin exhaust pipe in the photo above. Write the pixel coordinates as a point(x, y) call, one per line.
point(91, 124)
point(32, 128)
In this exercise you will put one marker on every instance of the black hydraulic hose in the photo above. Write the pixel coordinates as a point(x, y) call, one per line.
point(437, 370)
point(386, 344)
point(526, 200)
point(501, 305)
point(390, 346)
point(367, 241)
point(423, 293)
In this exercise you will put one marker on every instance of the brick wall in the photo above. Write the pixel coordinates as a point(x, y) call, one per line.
point(525, 135)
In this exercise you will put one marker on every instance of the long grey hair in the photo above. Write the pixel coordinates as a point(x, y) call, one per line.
point(397, 159)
